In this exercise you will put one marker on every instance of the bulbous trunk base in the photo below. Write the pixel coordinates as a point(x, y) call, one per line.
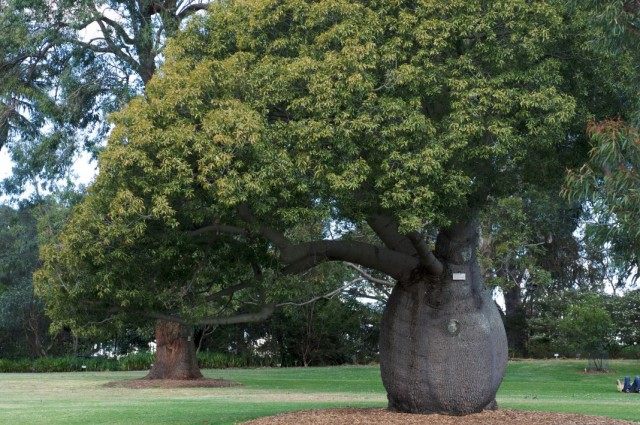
point(175, 353)
point(443, 347)
point(448, 358)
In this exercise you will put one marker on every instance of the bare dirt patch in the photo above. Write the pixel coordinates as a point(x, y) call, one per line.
point(384, 417)
point(172, 383)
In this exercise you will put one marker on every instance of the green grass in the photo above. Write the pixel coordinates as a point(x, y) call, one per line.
point(80, 398)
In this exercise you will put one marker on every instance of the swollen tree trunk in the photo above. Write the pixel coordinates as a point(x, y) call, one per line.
point(175, 353)
point(443, 347)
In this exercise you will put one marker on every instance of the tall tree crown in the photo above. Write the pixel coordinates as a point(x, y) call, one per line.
point(268, 115)
point(423, 109)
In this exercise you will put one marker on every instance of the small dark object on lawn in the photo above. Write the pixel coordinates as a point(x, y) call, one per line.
point(628, 386)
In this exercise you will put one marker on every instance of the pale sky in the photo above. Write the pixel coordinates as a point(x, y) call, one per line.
point(84, 170)
point(83, 173)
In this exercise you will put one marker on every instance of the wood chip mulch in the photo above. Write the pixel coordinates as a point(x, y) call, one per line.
point(172, 383)
point(384, 417)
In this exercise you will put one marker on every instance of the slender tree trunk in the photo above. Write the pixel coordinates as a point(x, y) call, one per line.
point(175, 353)
point(443, 347)
point(515, 321)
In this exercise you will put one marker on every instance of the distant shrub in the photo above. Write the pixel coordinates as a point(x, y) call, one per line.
point(136, 361)
point(631, 352)
point(129, 362)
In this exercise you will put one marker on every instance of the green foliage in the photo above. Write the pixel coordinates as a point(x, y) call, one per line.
point(304, 104)
point(609, 183)
point(312, 112)
point(133, 361)
point(22, 321)
point(58, 364)
point(58, 85)
point(327, 332)
point(587, 325)
point(513, 241)
point(625, 312)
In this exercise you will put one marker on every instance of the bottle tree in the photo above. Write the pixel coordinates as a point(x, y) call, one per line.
point(407, 118)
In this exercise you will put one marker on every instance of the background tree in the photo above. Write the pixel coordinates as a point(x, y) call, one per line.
point(409, 118)
point(65, 66)
point(131, 272)
point(22, 316)
point(587, 328)
point(625, 312)
point(608, 181)
point(71, 63)
point(23, 324)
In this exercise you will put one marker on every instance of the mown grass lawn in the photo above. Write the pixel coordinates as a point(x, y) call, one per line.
point(80, 398)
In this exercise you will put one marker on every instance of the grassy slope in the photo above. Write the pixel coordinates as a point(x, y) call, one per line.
point(78, 398)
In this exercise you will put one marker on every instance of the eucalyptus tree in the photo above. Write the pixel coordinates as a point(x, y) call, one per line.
point(22, 320)
point(65, 66)
point(607, 182)
point(405, 117)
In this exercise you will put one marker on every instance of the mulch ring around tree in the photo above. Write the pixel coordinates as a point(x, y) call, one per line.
point(172, 383)
point(380, 417)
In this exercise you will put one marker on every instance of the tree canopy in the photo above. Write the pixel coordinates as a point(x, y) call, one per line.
point(271, 115)
point(65, 66)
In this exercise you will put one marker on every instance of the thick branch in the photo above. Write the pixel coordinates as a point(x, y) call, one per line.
point(304, 256)
point(258, 316)
point(300, 257)
point(218, 229)
point(275, 236)
point(230, 290)
point(368, 276)
point(387, 230)
point(191, 9)
point(427, 258)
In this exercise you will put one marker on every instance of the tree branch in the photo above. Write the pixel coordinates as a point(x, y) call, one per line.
point(387, 230)
point(191, 9)
point(306, 255)
point(219, 229)
point(230, 290)
point(300, 257)
point(258, 316)
point(355, 293)
point(368, 277)
point(113, 50)
point(275, 236)
point(427, 258)
point(119, 29)
point(327, 296)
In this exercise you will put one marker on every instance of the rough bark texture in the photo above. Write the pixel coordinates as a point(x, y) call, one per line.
point(443, 348)
point(175, 353)
point(515, 321)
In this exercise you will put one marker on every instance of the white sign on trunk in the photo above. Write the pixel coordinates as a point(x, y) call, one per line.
point(459, 276)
